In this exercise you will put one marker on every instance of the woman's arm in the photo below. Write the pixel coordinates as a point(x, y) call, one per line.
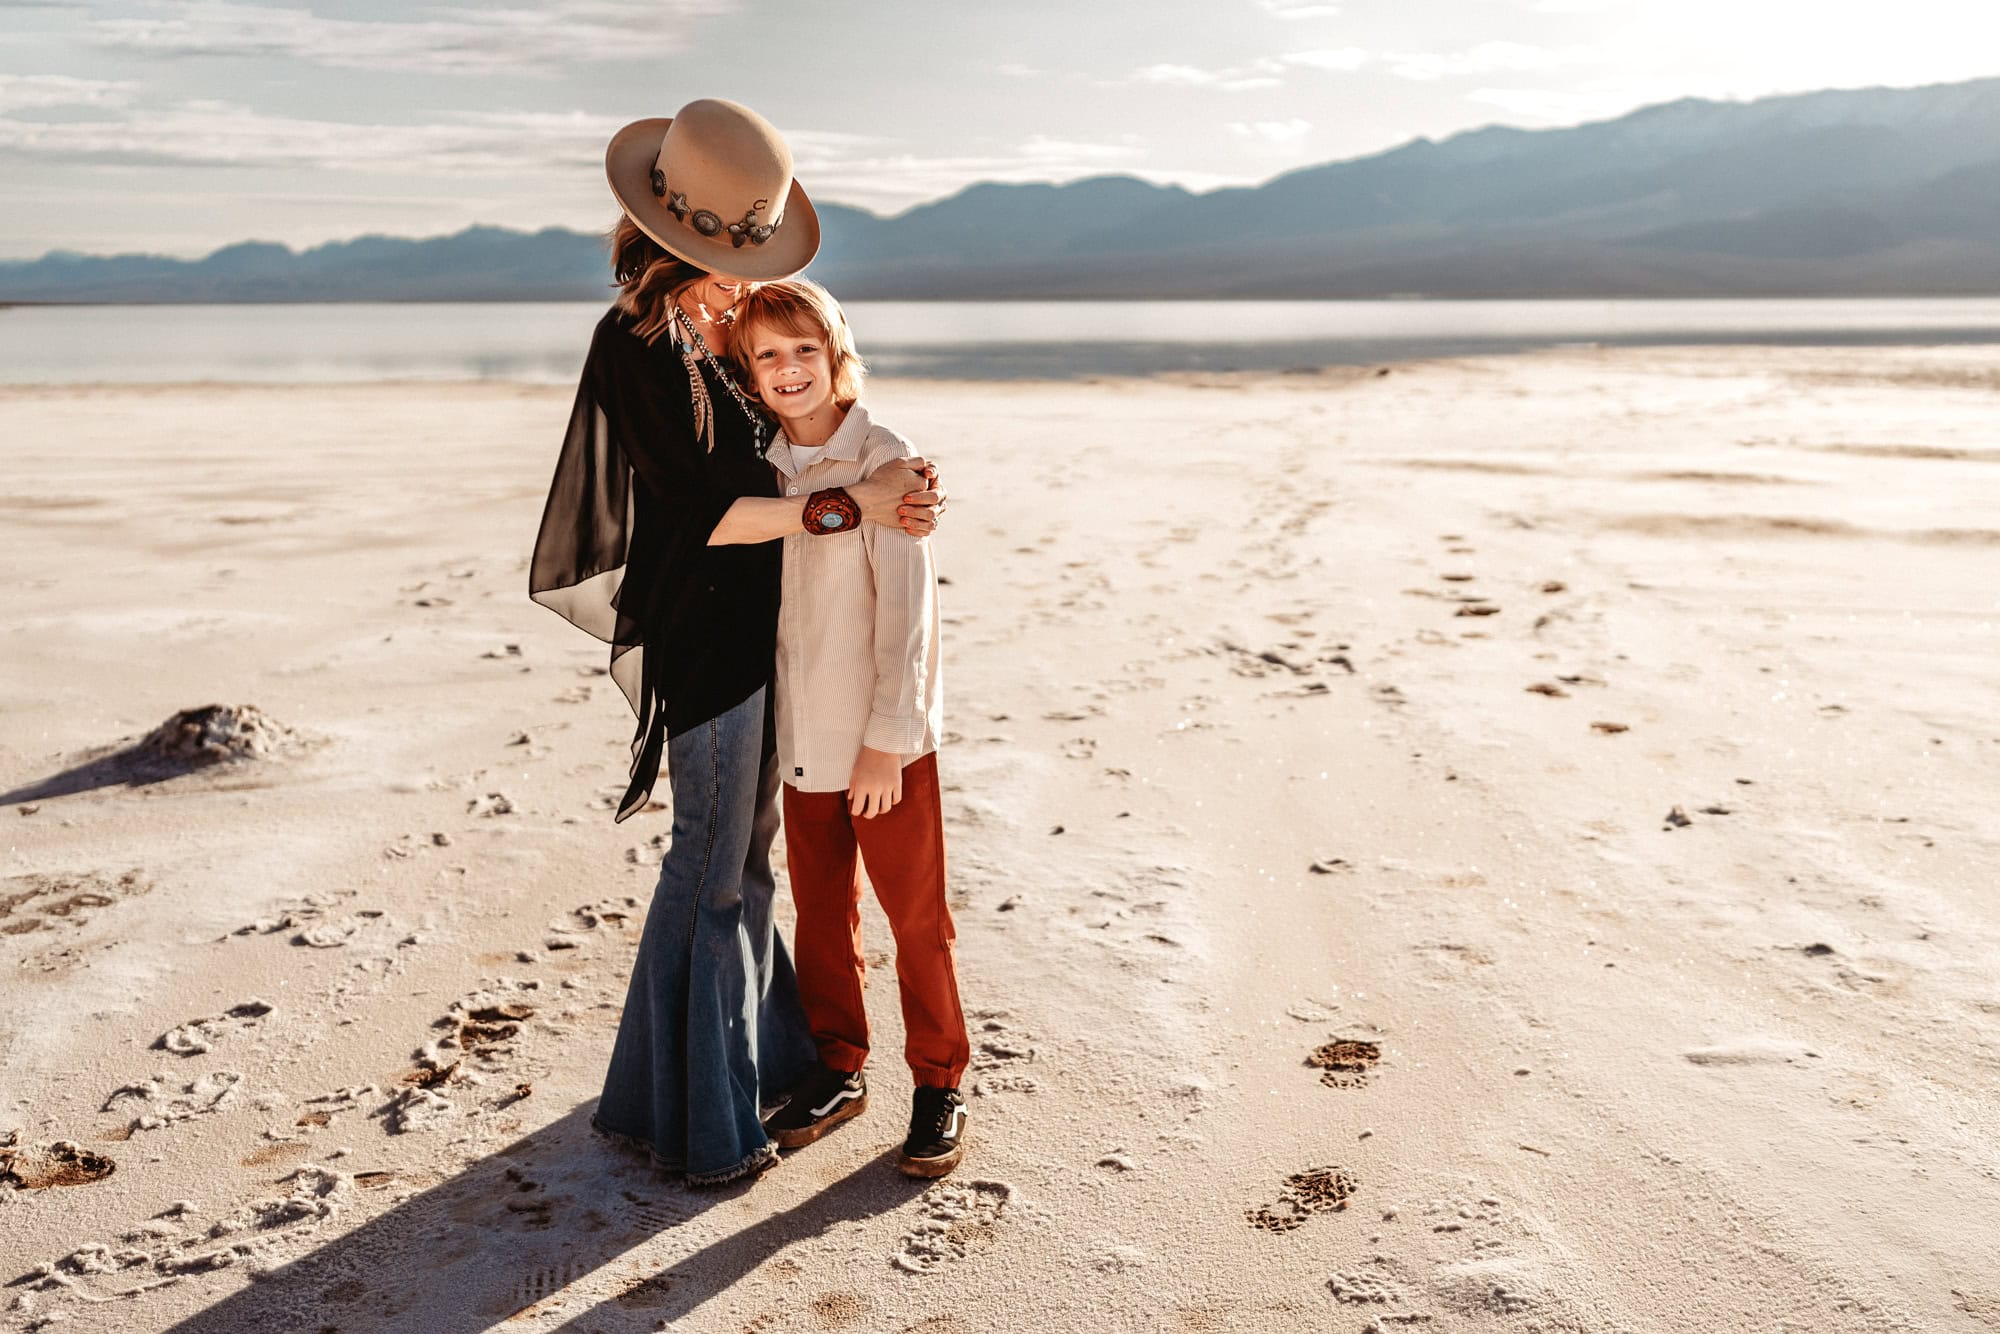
point(883, 499)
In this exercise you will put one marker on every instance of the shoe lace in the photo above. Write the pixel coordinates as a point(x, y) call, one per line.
point(938, 1116)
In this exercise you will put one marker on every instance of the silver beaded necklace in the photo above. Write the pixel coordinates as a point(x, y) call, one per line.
point(704, 411)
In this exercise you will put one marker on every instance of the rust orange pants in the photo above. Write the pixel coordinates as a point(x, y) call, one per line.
point(904, 854)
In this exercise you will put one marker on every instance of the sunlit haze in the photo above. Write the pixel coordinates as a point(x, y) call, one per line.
point(175, 126)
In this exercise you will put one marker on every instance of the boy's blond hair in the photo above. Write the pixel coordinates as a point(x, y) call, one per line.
point(804, 309)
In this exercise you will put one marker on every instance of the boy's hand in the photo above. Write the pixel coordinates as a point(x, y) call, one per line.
point(904, 493)
point(877, 784)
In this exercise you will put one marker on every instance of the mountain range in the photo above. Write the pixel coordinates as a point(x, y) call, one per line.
point(1848, 192)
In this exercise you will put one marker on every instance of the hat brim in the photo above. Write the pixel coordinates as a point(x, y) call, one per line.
point(628, 165)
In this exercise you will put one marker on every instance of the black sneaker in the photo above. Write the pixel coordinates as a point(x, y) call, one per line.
point(937, 1133)
point(821, 1101)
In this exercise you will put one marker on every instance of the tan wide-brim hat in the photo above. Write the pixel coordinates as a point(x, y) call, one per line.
point(714, 185)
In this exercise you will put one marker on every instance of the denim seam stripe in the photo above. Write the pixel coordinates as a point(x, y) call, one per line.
point(708, 847)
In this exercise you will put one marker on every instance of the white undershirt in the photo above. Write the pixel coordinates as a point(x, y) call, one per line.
point(803, 458)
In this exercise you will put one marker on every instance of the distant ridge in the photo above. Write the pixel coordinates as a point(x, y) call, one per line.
point(1858, 192)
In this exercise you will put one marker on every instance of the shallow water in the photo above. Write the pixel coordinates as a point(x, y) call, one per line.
point(544, 342)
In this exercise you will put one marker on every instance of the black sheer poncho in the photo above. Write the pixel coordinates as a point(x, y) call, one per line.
point(623, 550)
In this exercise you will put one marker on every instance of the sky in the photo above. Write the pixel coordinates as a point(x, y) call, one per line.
point(177, 126)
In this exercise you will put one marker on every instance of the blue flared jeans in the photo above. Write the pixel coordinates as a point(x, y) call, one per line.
point(712, 1024)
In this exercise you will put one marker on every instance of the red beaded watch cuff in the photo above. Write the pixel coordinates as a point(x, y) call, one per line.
point(831, 511)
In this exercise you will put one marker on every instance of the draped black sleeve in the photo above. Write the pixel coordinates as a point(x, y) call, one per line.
point(623, 548)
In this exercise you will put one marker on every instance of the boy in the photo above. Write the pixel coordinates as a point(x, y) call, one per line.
point(858, 718)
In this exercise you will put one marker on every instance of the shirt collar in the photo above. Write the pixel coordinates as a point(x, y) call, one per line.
point(843, 445)
point(846, 442)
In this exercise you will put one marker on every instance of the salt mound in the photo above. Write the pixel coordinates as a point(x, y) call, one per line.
point(217, 733)
point(213, 738)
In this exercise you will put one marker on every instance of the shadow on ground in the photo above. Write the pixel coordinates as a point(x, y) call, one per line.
point(213, 737)
point(130, 767)
point(513, 1231)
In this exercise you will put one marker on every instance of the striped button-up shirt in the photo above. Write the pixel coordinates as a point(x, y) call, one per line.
point(857, 624)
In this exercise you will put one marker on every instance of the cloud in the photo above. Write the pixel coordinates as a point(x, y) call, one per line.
point(1230, 79)
point(876, 174)
point(1298, 9)
point(1342, 58)
point(439, 40)
point(1595, 100)
point(1047, 147)
point(558, 157)
point(1550, 105)
point(222, 134)
point(40, 92)
point(1016, 71)
point(1263, 72)
point(1486, 58)
point(1273, 133)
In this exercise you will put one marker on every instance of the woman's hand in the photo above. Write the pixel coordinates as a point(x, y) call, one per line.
point(887, 498)
point(877, 784)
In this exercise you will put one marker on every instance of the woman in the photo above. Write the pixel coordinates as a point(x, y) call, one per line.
point(660, 538)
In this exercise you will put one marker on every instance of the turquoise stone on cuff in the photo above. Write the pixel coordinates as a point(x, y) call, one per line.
point(830, 520)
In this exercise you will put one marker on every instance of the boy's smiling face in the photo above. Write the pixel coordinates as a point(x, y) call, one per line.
point(794, 372)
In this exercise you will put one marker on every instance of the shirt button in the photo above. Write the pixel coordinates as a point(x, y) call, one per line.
point(794, 491)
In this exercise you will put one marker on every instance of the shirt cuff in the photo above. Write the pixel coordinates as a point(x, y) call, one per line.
point(894, 736)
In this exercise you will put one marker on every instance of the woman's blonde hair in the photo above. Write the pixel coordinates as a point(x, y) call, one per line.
point(648, 277)
point(804, 309)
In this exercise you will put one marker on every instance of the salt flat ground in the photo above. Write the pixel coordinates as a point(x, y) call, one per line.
point(1588, 759)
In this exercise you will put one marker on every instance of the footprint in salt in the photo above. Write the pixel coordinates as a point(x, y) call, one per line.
point(1316, 1190)
point(53, 1163)
point(200, 1035)
point(1452, 1214)
point(647, 1214)
point(996, 1051)
point(299, 915)
point(530, 1207)
point(1496, 1285)
point(323, 1108)
point(644, 1292)
point(838, 1310)
point(1119, 1259)
point(316, 1193)
point(477, 1044)
point(540, 1285)
point(1383, 1281)
point(1345, 1063)
point(956, 1220)
point(45, 902)
point(490, 805)
point(174, 1244)
point(650, 853)
point(155, 1104)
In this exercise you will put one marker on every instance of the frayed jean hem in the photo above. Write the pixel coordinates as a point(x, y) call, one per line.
point(764, 1155)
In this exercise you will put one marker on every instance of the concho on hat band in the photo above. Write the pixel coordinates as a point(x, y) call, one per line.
point(707, 222)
